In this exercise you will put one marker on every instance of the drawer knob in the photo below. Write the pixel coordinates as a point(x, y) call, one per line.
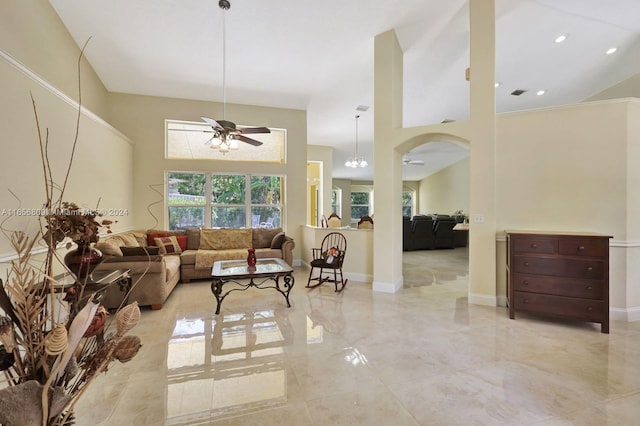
point(589, 308)
point(526, 263)
point(526, 301)
point(534, 245)
point(525, 282)
point(589, 268)
point(589, 288)
point(581, 248)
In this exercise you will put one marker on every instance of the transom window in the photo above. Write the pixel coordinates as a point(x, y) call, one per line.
point(206, 200)
point(188, 140)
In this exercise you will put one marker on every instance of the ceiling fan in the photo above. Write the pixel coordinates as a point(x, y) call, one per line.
point(225, 133)
point(408, 161)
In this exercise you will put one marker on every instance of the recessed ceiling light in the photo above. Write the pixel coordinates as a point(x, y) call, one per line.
point(541, 92)
point(561, 38)
point(497, 84)
point(611, 50)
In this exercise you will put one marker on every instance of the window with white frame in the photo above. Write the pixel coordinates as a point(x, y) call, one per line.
point(361, 204)
point(336, 201)
point(204, 200)
point(407, 203)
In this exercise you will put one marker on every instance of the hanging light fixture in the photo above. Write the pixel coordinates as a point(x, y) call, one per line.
point(355, 161)
point(222, 140)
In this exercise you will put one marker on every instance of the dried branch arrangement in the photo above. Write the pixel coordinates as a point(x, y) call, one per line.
point(50, 358)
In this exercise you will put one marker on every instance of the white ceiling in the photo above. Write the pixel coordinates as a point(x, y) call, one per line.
point(318, 56)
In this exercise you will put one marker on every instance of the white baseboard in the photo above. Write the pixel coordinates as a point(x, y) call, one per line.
point(483, 299)
point(502, 300)
point(388, 287)
point(621, 314)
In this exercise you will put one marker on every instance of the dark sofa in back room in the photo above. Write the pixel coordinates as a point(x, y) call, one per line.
point(428, 232)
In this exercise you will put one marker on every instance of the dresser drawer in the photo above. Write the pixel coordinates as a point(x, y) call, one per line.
point(558, 286)
point(533, 245)
point(562, 267)
point(580, 309)
point(588, 247)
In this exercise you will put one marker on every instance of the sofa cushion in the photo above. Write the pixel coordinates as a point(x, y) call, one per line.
point(129, 239)
point(193, 239)
point(262, 237)
point(139, 251)
point(223, 239)
point(111, 246)
point(141, 238)
point(168, 245)
point(277, 240)
point(206, 258)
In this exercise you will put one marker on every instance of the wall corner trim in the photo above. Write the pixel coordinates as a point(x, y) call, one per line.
point(60, 94)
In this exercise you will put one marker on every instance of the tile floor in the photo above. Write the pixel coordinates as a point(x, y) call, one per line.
point(422, 356)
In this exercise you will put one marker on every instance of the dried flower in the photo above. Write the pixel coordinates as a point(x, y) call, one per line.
point(78, 224)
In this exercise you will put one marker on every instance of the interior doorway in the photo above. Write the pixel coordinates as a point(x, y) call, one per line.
point(436, 254)
point(314, 192)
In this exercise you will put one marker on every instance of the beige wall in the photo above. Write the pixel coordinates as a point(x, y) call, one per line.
point(446, 191)
point(572, 168)
point(33, 41)
point(32, 33)
point(142, 119)
point(625, 89)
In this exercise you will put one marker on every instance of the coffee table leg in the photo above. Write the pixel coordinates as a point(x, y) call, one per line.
point(216, 289)
point(288, 282)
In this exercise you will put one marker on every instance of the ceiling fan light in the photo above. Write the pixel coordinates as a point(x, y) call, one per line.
point(363, 163)
point(215, 143)
point(233, 144)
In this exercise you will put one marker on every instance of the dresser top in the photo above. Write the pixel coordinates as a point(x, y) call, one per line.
point(555, 233)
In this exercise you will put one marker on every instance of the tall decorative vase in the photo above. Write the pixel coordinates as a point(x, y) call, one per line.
point(251, 257)
point(83, 260)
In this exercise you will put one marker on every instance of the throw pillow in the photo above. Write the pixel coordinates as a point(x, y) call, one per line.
point(182, 241)
point(151, 237)
point(168, 245)
point(225, 239)
point(140, 251)
point(278, 239)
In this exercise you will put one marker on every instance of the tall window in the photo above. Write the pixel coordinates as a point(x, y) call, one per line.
point(200, 200)
point(187, 200)
point(336, 201)
point(360, 205)
point(407, 203)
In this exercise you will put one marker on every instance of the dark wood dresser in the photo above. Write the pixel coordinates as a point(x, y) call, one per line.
point(562, 274)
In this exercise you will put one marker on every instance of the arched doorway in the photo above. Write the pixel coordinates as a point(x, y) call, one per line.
point(436, 174)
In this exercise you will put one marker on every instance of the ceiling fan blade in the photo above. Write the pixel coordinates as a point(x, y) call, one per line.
point(248, 140)
point(417, 162)
point(255, 130)
point(211, 122)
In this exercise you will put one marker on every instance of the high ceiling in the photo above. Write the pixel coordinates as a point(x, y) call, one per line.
point(318, 56)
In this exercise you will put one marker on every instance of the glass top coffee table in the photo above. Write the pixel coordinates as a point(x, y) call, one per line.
point(266, 274)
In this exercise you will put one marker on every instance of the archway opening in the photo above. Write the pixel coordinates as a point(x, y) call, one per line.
point(435, 234)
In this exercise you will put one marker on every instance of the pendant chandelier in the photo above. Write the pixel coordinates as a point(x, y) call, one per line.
point(356, 161)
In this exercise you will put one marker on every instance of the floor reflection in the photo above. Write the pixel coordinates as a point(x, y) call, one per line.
point(243, 354)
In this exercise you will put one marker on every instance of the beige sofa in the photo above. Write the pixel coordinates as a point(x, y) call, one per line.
point(154, 276)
